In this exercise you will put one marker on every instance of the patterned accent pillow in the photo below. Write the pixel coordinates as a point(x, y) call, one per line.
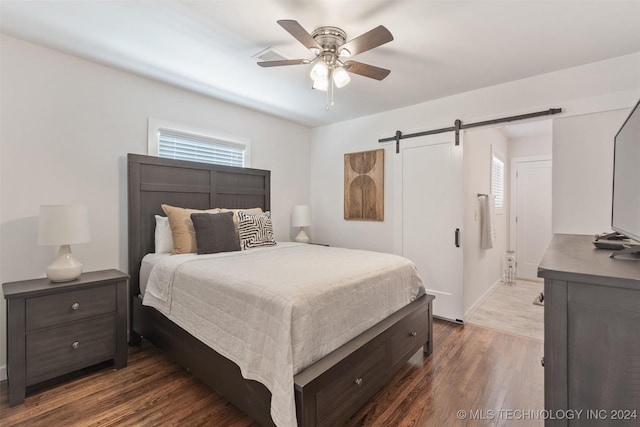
point(255, 230)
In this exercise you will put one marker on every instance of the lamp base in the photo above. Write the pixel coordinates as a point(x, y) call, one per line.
point(65, 267)
point(302, 237)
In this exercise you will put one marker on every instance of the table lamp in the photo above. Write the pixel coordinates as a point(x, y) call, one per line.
point(301, 217)
point(63, 225)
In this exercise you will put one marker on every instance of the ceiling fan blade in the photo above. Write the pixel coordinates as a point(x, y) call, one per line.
point(283, 62)
point(297, 31)
point(374, 38)
point(366, 70)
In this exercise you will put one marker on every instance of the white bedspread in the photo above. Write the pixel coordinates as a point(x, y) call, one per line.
point(274, 311)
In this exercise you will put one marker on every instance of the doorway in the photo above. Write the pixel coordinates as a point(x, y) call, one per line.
point(492, 302)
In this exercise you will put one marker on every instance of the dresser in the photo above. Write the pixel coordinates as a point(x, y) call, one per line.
point(592, 334)
point(58, 328)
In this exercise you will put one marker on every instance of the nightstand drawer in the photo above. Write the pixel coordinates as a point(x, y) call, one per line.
point(56, 351)
point(51, 310)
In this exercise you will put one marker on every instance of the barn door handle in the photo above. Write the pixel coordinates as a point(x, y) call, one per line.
point(457, 238)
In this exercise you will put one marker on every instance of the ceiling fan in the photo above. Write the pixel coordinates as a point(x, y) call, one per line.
point(330, 46)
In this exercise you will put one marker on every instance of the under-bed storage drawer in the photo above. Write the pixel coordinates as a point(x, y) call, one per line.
point(56, 351)
point(335, 387)
point(354, 384)
point(409, 334)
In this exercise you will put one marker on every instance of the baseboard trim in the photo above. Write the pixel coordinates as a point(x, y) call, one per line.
point(476, 305)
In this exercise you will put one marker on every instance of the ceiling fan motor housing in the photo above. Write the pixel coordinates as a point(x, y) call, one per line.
point(330, 38)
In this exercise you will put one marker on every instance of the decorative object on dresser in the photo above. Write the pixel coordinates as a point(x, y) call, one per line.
point(63, 225)
point(364, 185)
point(56, 330)
point(301, 217)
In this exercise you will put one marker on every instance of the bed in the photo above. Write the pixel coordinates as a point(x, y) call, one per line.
point(328, 391)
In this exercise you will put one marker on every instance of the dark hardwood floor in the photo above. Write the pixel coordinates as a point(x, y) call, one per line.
point(491, 375)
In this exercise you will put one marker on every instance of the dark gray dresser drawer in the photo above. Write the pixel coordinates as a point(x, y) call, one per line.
point(56, 351)
point(51, 310)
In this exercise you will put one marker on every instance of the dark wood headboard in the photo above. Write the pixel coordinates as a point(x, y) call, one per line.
point(153, 181)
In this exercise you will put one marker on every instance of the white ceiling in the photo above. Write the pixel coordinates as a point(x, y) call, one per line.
point(440, 48)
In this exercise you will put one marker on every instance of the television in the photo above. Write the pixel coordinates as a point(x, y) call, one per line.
point(625, 212)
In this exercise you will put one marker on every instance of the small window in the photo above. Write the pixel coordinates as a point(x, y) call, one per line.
point(173, 145)
point(177, 142)
point(497, 180)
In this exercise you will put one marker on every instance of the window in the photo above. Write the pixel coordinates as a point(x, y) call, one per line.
point(497, 180)
point(181, 143)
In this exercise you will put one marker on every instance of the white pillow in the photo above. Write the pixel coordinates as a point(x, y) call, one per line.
point(164, 239)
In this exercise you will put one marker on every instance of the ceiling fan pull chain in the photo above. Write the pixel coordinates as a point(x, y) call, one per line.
point(332, 85)
point(326, 101)
point(329, 89)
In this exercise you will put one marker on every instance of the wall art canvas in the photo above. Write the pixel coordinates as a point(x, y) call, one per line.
point(364, 185)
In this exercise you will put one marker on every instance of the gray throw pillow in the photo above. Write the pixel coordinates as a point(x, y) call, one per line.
point(215, 233)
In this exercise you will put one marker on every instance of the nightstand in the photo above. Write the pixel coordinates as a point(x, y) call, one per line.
point(58, 328)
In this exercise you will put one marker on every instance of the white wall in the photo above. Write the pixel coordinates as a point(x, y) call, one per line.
point(539, 145)
point(482, 267)
point(583, 171)
point(591, 88)
point(601, 86)
point(67, 126)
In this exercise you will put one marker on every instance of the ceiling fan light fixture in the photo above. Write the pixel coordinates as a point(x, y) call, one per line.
point(345, 52)
point(320, 71)
point(341, 77)
point(320, 84)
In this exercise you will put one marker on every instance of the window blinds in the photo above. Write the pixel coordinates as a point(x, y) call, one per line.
point(497, 180)
point(183, 146)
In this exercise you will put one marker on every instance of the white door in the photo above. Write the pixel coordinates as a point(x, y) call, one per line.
point(533, 215)
point(428, 229)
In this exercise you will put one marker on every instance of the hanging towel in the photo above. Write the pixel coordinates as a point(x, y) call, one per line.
point(487, 222)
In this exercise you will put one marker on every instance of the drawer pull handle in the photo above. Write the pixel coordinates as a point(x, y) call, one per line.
point(358, 382)
point(75, 344)
point(75, 306)
point(413, 334)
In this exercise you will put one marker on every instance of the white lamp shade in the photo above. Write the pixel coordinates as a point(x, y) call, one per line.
point(301, 216)
point(322, 85)
point(320, 71)
point(63, 225)
point(341, 77)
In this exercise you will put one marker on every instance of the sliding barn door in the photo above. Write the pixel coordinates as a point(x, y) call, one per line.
point(428, 230)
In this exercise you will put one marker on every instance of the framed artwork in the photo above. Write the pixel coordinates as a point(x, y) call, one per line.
point(364, 185)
